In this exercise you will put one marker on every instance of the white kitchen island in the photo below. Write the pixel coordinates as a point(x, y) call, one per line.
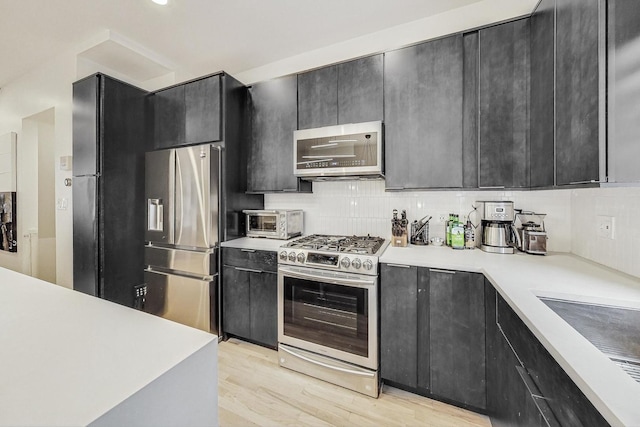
point(69, 359)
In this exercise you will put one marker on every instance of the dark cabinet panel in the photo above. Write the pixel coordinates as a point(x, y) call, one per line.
point(264, 308)
point(249, 295)
point(577, 91)
point(236, 317)
point(542, 94)
point(86, 264)
point(398, 326)
point(85, 127)
point(504, 105)
point(274, 117)
point(360, 94)
point(203, 113)
point(169, 117)
point(623, 93)
point(470, 111)
point(424, 330)
point(457, 336)
point(318, 98)
point(423, 92)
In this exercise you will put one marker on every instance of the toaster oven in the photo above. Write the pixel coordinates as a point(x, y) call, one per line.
point(274, 224)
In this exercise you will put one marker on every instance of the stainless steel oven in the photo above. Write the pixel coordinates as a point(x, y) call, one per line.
point(327, 326)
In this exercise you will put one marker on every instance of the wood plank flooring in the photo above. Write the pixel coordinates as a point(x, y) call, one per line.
point(255, 391)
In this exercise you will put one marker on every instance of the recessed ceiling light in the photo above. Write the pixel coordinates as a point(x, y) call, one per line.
point(162, 2)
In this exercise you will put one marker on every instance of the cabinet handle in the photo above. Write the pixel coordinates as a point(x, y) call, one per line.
point(248, 250)
point(289, 190)
point(393, 188)
point(399, 265)
point(494, 187)
point(435, 270)
point(249, 270)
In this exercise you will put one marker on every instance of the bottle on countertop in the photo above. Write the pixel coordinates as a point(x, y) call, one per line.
point(469, 236)
point(457, 233)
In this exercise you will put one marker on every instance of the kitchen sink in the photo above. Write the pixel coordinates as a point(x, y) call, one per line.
point(613, 330)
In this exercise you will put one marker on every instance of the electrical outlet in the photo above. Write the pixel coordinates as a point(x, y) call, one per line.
point(606, 227)
point(442, 218)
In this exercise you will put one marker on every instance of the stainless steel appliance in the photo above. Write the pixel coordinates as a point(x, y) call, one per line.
point(497, 229)
point(182, 195)
point(328, 309)
point(274, 224)
point(532, 234)
point(343, 151)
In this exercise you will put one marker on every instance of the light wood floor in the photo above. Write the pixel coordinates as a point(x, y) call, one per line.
point(254, 390)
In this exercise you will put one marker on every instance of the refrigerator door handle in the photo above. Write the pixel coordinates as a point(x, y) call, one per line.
point(155, 209)
point(179, 273)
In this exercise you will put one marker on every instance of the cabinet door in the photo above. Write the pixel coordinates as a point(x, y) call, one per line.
point(360, 90)
point(264, 308)
point(577, 86)
point(424, 348)
point(542, 94)
point(504, 105)
point(470, 109)
point(202, 109)
point(623, 93)
point(274, 117)
point(398, 327)
point(318, 98)
point(457, 336)
point(169, 117)
point(236, 302)
point(423, 90)
point(85, 126)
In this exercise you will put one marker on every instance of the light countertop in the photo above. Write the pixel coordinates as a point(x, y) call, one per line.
point(67, 358)
point(258, 243)
point(520, 279)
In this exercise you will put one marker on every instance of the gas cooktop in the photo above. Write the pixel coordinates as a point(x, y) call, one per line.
point(362, 245)
point(354, 254)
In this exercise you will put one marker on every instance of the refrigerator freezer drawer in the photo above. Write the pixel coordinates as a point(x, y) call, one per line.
point(199, 263)
point(181, 299)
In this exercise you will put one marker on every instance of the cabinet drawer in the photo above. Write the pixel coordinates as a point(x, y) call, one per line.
point(250, 258)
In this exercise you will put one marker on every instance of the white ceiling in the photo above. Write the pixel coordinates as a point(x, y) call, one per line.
point(201, 36)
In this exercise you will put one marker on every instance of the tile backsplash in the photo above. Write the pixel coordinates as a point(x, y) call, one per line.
point(363, 207)
point(623, 204)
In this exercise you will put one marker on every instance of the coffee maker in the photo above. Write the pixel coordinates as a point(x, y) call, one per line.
point(533, 236)
point(498, 233)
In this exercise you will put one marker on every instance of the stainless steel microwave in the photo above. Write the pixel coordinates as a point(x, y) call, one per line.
point(344, 151)
point(274, 224)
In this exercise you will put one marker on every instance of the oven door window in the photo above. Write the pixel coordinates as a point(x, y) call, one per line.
point(262, 223)
point(334, 316)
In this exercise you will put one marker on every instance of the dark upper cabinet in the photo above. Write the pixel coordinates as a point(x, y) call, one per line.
point(470, 110)
point(187, 114)
point(624, 93)
point(203, 111)
point(542, 94)
point(504, 105)
point(398, 324)
point(318, 98)
point(457, 336)
point(274, 115)
point(423, 109)
point(577, 91)
point(350, 92)
point(360, 93)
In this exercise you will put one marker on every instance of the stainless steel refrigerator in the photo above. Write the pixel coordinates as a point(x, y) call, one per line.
point(182, 188)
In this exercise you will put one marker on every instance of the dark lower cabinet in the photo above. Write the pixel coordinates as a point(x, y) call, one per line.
point(432, 333)
point(274, 118)
point(526, 386)
point(504, 105)
point(249, 295)
point(423, 102)
point(457, 336)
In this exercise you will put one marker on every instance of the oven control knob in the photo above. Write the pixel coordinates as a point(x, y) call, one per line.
point(300, 257)
point(346, 262)
point(356, 263)
point(283, 255)
point(368, 265)
point(292, 256)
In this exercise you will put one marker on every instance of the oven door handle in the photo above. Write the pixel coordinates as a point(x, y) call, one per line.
point(333, 281)
point(324, 365)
